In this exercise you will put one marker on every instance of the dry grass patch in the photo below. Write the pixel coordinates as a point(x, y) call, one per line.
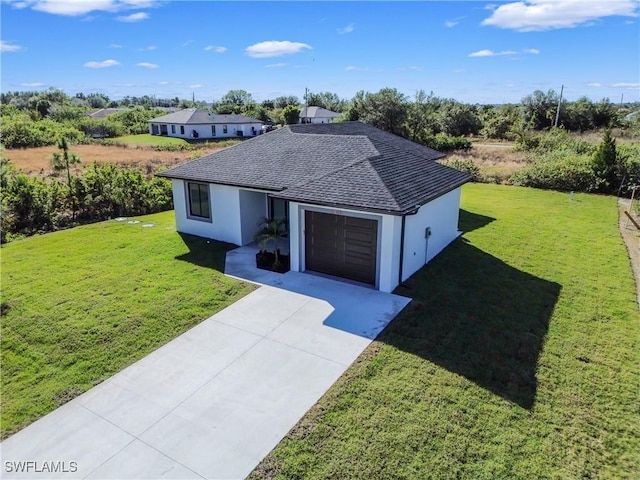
point(497, 162)
point(37, 161)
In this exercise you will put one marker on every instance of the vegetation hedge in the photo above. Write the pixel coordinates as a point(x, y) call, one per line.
point(31, 205)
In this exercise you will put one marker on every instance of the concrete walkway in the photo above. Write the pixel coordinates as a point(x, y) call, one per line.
point(214, 401)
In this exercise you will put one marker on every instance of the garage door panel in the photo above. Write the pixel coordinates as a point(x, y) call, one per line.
point(342, 246)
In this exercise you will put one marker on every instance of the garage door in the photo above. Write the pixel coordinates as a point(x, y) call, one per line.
point(341, 246)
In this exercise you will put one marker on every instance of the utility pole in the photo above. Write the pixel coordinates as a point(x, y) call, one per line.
point(621, 99)
point(558, 110)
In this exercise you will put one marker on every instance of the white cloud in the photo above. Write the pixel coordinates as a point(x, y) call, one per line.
point(82, 7)
point(450, 23)
point(459, 70)
point(163, 83)
point(148, 49)
point(188, 42)
point(150, 66)
point(413, 68)
point(275, 65)
point(32, 85)
point(104, 64)
point(356, 69)
point(9, 47)
point(208, 48)
point(491, 53)
point(627, 85)
point(134, 17)
point(348, 29)
point(275, 48)
point(195, 85)
point(594, 84)
point(115, 45)
point(537, 15)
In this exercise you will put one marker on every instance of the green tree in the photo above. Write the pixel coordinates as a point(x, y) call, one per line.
point(605, 163)
point(457, 119)
point(540, 108)
point(330, 101)
point(285, 101)
point(290, 114)
point(386, 109)
point(64, 162)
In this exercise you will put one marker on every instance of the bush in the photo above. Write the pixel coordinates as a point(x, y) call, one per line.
point(464, 165)
point(445, 143)
point(20, 131)
point(560, 171)
point(30, 204)
point(552, 141)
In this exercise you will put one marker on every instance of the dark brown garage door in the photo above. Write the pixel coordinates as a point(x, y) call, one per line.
point(341, 246)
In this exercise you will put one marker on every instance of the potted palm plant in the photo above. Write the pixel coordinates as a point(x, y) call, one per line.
point(271, 230)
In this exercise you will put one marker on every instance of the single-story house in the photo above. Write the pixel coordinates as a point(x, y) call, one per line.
point(105, 112)
point(195, 123)
point(360, 203)
point(317, 115)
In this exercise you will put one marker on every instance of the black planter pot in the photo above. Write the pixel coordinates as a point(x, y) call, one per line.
point(267, 261)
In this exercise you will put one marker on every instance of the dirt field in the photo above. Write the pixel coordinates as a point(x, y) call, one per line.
point(37, 161)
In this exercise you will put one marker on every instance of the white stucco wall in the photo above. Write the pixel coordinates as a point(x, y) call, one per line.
point(225, 213)
point(441, 215)
point(234, 213)
point(253, 207)
point(204, 131)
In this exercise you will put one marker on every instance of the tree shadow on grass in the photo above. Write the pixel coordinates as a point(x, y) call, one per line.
point(205, 252)
point(478, 317)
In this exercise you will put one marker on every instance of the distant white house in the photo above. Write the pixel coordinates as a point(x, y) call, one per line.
point(194, 123)
point(317, 115)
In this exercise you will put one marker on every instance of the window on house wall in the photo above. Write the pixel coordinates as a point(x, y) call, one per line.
point(198, 201)
point(181, 129)
point(224, 129)
point(173, 129)
point(213, 130)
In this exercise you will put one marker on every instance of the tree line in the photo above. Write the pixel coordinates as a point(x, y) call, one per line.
point(30, 119)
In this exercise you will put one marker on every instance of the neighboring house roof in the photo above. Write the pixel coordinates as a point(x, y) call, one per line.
point(105, 112)
point(317, 112)
point(349, 165)
point(193, 116)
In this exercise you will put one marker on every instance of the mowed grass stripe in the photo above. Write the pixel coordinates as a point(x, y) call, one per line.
point(80, 305)
point(517, 359)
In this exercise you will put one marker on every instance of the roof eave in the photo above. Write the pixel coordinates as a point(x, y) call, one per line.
point(229, 184)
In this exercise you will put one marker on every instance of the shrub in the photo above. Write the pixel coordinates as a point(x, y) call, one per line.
point(552, 141)
point(559, 171)
point(445, 143)
point(30, 204)
point(464, 165)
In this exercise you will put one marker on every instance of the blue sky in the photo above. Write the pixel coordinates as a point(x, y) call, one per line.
point(474, 51)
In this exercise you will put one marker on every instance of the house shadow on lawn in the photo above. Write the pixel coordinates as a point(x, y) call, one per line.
point(205, 252)
point(478, 317)
point(472, 221)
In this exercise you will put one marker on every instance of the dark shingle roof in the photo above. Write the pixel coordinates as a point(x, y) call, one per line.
point(193, 116)
point(350, 164)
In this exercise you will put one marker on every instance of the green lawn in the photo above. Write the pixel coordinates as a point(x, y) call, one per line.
point(518, 358)
point(81, 304)
point(148, 139)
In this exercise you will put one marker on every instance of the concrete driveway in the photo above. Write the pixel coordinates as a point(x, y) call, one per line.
point(214, 401)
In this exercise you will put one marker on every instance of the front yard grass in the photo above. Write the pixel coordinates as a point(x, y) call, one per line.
point(81, 304)
point(518, 358)
point(148, 139)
